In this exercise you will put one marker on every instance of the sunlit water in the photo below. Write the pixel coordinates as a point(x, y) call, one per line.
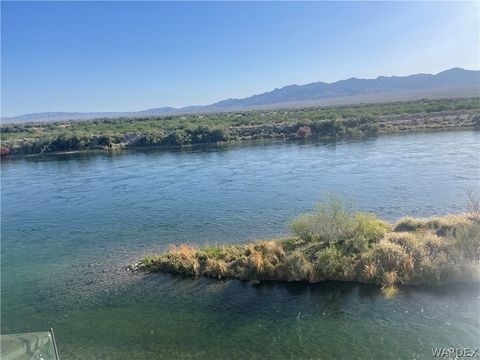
point(71, 224)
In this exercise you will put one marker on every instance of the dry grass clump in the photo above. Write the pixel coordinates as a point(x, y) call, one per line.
point(184, 250)
point(262, 258)
point(215, 268)
point(370, 271)
point(271, 249)
point(467, 240)
point(183, 259)
point(390, 279)
point(409, 264)
point(406, 240)
point(336, 243)
point(409, 224)
point(178, 259)
point(440, 225)
point(383, 260)
point(387, 256)
point(299, 268)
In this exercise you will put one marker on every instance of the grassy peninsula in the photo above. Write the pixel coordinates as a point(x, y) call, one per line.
point(212, 128)
point(338, 243)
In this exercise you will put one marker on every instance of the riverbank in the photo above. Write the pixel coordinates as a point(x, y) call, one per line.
point(336, 243)
point(223, 128)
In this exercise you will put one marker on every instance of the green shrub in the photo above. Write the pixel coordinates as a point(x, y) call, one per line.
point(218, 135)
point(177, 137)
point(366, 230)
point(104, 140)
point(331, 223)
point(149, 139)
point(289, 244)
point(332, 264)
point(324, 128)
point(304, 226)
point(335, 222)
point(214, 252)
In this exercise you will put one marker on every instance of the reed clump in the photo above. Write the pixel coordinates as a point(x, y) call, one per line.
point(337, 243)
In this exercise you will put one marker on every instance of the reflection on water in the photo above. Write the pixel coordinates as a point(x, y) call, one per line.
point(71, 223)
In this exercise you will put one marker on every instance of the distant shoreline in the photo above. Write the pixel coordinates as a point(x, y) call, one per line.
point(243, 127)
point(229, 143)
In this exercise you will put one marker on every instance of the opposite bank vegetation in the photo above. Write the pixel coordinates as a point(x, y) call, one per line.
point(340, 244)
point(215, 128)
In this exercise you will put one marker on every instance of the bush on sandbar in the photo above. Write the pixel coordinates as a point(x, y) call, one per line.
point(337, 243)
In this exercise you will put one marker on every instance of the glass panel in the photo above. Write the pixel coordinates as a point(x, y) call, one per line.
point(28, 346)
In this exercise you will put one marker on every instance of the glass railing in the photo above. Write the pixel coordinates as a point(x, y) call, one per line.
point(28, 346)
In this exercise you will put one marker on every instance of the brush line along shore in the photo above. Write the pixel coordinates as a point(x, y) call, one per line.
point(221, 128)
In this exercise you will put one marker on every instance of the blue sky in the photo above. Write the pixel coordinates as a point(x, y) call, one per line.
point(123, 56)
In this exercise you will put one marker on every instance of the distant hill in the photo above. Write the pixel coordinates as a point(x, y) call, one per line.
point(452, 78)
point(455, 82)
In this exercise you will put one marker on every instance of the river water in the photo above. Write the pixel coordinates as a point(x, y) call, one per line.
point(71, 223)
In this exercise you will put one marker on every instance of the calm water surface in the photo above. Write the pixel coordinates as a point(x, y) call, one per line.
point(71, 223)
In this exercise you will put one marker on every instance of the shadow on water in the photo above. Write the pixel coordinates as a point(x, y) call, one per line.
point(327, 292)
point(92, 155)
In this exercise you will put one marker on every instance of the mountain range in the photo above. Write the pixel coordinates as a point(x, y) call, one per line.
point(455, 82)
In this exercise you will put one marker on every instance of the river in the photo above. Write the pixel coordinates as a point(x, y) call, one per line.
point(71, 223)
